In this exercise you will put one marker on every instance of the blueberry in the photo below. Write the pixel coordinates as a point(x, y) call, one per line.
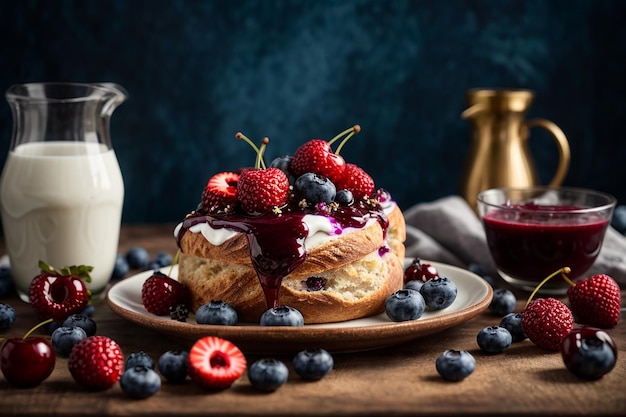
point(282, 316)
point(7, 316)
point(121, 267)
point(7, 286)
point(589, 352)
point(88, 311)
point(153, 266)
point(140, 358)
point(137, 257)
point(53, 325)
point(503, 302)
point(64, 338)
point(313, 364)
point(140, 382)
point(268, 374)
point(217, 312)
point(314, 189)
point(480, 271)
point(314, 283)
point(282, 163)
point(404, 305)
point(494, 339)
point(344, 198)
point(513, 323)
point(619, 219)
point(163, 259)
point(414, 284)
point(173, 365)
point(439, 292)
point(455, 365)
point(87, 323)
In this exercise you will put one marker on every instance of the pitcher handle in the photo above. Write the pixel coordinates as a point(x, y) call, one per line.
point(562, 144)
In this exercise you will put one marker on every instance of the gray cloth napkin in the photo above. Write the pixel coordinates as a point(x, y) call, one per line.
point(449, 231)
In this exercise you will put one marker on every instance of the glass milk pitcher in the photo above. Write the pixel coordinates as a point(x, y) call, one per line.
point(61, 189)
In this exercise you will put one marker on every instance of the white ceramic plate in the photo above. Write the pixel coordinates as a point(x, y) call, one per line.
point(474, 296)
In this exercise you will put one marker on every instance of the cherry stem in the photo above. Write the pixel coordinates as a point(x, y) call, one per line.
point(350, 132)
point(562, 271)
point(259, 159)
point(258, 151)
point(43, 323)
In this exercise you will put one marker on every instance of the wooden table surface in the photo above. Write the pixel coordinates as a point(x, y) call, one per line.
point(399, 380)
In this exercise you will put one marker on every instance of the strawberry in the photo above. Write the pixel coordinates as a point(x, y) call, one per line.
point(215, 362)
point(220, 191)
point(357, 181)
point(96, 362)
point(57, 294)
point(161, 293)
point(546, 322)
point(260, 190)
point(317, 157)
point(596, 301)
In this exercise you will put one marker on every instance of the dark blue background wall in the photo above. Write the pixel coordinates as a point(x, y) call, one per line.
point(199, 71)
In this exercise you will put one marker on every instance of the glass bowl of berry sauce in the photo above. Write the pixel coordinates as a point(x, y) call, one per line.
point(534, 231)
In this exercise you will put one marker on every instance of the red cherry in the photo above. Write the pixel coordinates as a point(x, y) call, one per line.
point(27, 362)
point(589, 352)
point(419, 271)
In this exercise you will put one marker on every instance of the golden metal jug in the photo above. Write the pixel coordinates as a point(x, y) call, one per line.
point(499, 155)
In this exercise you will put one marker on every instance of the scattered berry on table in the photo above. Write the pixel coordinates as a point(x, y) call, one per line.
point(163, 259)
point(57, 294)
point(27, 361)
point(619, 219)
point(215, 363)
point(404, 305)
point(513, 323)
point(546, 321)
point(139, 358)
point(7, 287)
point(87, 323)
point(419, 271)
point(140, 382)
point(137, 257)
point(480, 271)
point(589, 352)
point(503, 302)
point(217, 312)
point(7, 316)
point(120, 268)
point(96, 362)
point(439, 292)
point(313, 364)
point(455, 365)
point(312, 189)
point(268, 374)
point(494, 339)
point(282, 316)
point(160, 292)
point(64, 338)
point(596, 301)
point(173, 365)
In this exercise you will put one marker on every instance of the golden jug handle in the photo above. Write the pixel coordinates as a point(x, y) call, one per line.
point(561, 141)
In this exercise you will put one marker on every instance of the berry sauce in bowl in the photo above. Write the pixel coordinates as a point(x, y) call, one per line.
point(533, 232)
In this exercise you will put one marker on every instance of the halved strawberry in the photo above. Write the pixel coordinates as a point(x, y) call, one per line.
point(57, 294)
point(357, 181)
point(220, 191)
point(215, 363)
point(260, 190)
point(160, 293)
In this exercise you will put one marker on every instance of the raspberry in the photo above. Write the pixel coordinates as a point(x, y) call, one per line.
point(596, 301)
point(546, 322)
point(161, 293)
point(96, 362)
point(261, 190)
point(220, 192)
point(356, 180)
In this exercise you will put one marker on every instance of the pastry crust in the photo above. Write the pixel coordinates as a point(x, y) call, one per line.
point(361, 267)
